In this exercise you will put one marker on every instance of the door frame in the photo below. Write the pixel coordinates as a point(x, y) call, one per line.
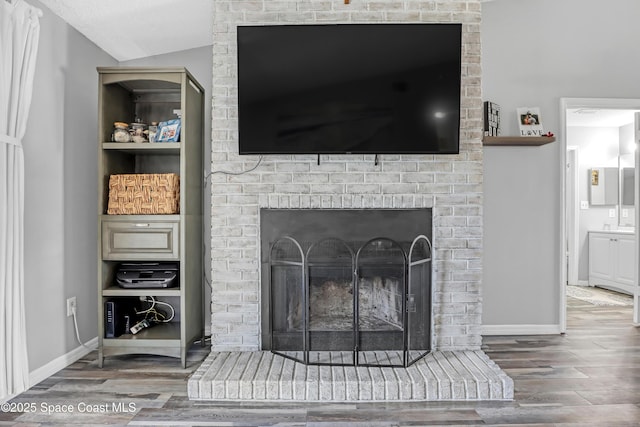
point(573, 213)
point(594, 103)
point(636, 205)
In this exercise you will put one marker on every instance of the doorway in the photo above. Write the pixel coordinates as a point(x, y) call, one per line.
point(595, 131)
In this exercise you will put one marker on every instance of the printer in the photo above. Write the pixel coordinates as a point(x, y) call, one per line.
point(143, 275)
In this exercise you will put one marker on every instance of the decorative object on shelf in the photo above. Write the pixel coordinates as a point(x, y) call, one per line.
point(169, 131)
point(138, 132)
point(530, 122)
point(491, 119)
point(548, 134)
point(147, 194)
point(153, 131)
point(121, 132)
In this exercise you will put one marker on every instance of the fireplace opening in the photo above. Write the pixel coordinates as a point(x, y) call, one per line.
point(347, 301)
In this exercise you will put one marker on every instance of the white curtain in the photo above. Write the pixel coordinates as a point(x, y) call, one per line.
point(19, 32)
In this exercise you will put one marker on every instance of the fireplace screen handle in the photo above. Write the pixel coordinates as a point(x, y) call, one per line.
point(411, 303)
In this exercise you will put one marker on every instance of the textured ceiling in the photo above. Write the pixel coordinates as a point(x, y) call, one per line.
point(131, 29)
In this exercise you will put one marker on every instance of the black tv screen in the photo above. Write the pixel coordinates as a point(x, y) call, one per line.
point(349, 88)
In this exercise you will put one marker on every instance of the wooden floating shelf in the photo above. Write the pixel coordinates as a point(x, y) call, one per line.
point(531, 141)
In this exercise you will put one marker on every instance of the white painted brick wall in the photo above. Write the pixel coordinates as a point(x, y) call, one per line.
point(451, 184)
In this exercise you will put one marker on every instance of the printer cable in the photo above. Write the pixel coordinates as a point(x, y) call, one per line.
point(155, 313)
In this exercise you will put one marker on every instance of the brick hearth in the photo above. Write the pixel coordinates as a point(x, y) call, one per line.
point(263, 376)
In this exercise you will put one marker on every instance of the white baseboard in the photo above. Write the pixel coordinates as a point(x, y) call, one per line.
point(521, 329)
point(5, 399)
point(44, 372)
point(61, 362)
point(583, 283)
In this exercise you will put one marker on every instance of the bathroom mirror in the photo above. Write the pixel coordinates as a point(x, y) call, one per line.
point(627, 178)
point(627, 190)
point(603, 188)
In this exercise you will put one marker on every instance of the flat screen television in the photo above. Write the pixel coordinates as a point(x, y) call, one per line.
point(349, 89)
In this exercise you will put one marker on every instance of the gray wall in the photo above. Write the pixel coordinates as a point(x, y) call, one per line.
point(534, 53)
point(60, 190)
point(199, 62)
point(627, 140)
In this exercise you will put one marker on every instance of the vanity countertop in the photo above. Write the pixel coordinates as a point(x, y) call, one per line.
point(613, 231)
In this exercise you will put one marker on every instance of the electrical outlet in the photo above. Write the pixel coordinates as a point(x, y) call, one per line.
point(71, 306)
point(584, 204)
point(612, 213)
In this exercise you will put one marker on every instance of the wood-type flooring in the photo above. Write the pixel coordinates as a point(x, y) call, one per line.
point(588, 377)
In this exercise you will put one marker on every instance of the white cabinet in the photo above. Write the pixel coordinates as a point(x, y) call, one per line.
point(611, 260)
point(624, 265)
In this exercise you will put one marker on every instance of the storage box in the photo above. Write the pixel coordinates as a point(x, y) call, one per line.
point(144, 194)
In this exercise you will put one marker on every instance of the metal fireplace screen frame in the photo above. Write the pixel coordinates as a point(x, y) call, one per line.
point(383, 313)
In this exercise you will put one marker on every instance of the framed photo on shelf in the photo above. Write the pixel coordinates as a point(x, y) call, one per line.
point(529, 121)
point(169, 131)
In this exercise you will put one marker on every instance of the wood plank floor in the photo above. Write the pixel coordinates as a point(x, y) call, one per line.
point(588, 377)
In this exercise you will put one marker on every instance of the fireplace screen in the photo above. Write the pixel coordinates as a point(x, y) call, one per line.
point(351, 303)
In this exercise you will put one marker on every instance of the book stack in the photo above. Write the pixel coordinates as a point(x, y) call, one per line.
point(491, 119)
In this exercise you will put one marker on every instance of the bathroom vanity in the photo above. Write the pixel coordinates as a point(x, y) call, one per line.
point(611, 260)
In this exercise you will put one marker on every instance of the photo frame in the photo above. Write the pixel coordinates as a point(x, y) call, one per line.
point(530, 121)
point(169, 131)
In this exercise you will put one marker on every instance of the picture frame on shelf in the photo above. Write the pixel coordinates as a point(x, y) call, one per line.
point(169, 131)
point(530, 121)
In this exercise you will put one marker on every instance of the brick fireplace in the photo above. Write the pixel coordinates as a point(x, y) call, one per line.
point(450, 185)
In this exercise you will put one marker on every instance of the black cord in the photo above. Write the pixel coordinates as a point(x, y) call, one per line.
point(206, 177)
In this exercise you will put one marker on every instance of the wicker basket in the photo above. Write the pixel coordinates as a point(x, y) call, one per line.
point(144, 194)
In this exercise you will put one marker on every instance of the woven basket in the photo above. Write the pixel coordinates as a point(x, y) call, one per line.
point(144, 194)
